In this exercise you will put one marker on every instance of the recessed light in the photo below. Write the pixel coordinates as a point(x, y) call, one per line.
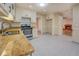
point(42, 4)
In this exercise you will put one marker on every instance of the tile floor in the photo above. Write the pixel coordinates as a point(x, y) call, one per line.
point(48, 45)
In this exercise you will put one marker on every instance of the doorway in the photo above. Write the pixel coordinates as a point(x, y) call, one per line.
point(67, 26)
point(49, 26)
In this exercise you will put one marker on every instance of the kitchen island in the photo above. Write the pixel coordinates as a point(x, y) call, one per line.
point(14, 43)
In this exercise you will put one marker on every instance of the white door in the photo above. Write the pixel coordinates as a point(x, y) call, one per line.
point(49, 26)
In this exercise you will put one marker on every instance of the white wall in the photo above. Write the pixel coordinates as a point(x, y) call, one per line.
point(60, 24)
point(56, 24)
point(67, 21)
point(75, 23)
point(41, 23)
point(49, 24)
point(20, 12)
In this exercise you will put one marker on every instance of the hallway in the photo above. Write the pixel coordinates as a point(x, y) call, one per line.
point(47, 45)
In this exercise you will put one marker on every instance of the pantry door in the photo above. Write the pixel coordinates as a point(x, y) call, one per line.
point(49, 26)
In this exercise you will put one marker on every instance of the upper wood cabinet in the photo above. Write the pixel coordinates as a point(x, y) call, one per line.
point(8, 8)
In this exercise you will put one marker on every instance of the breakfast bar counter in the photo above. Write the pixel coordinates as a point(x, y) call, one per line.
point(14, 43)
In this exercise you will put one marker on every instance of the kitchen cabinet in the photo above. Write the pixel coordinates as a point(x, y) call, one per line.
point(8, 8)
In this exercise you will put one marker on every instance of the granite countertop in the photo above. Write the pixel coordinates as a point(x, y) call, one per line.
point(15, 45)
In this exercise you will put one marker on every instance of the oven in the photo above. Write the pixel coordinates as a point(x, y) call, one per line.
point(27, 30)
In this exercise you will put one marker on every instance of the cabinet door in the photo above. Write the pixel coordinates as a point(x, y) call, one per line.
point(9, 7)
point(13, 9)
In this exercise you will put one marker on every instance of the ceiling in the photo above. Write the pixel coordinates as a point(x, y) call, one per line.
point(49, 8)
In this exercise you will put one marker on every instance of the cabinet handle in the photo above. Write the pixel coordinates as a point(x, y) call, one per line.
point(10, 8)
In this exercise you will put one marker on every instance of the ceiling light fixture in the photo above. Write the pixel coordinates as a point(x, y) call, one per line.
point(42, 4)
